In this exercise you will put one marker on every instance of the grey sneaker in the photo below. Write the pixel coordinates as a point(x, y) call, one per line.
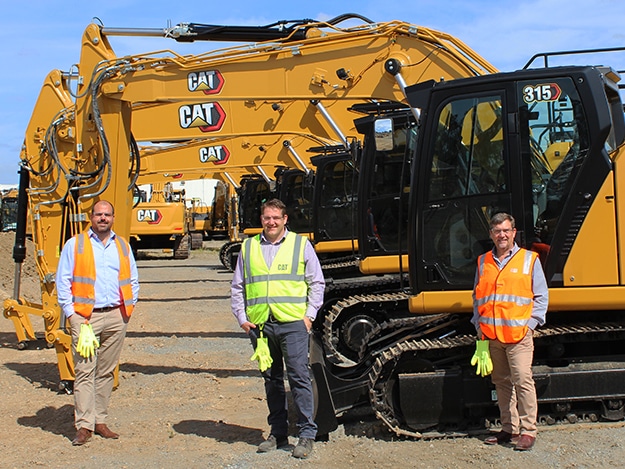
point(272, 443)
point(303, 449)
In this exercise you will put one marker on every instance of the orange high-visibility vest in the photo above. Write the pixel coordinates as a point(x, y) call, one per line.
point(505, 297)
point(84, 275)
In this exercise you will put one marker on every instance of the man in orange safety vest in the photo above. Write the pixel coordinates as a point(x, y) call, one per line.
point(97, 288)
point(510, 300)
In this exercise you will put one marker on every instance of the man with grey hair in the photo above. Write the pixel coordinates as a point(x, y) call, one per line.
point(510, 300)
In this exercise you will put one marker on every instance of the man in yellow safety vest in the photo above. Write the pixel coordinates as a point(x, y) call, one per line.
point(277, 289)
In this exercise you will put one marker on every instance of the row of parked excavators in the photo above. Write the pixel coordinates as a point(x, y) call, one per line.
point(392, 145)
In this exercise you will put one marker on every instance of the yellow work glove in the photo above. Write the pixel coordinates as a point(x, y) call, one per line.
point(481, 358)
point(87, 341)
point(262, 354)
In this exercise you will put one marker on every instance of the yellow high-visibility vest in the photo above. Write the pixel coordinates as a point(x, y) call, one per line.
point(280, 287)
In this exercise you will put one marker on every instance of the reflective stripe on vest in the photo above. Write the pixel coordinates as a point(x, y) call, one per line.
point(84, 275)
point(505, 297)
point(281, 287)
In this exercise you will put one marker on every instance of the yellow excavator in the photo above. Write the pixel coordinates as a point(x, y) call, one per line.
point(544, 144)
point(83, 144)
point(8, 210)
point(162, 222)
point(210, 221)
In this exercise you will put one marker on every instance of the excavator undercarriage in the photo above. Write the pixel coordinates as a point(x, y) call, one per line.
point(414, 372)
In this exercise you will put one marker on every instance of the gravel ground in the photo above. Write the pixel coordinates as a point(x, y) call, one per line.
point(190, 397)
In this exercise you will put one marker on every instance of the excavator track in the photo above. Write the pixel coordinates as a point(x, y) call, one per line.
point(182, 247)
point(339, 267)
point(197, 241)
point(349, 320)
point(381, 377)
point(225, 254)
point(387, 332)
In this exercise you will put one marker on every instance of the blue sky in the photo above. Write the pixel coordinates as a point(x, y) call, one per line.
point(39, 36)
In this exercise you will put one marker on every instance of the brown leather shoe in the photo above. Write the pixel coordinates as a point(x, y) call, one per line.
point(525, 443)
point(82, 436)
point(105, 432)
point(500, 438)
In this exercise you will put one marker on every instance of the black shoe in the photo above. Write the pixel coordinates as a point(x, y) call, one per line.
point(501, 438)
point(303, 449)
point(272, 443)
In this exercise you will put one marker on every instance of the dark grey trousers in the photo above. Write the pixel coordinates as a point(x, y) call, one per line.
point(288, 345)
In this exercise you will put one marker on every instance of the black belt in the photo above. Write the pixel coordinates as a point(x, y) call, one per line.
point(272, 318)
point(105, 309)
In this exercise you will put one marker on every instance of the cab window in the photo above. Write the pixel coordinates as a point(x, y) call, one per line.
point(553, 122)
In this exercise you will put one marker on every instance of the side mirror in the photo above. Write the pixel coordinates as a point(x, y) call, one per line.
point(383, 129)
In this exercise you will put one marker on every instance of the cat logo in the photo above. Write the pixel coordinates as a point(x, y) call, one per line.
point(217, 154)
point(208, 82)
point(150, 216)
point(283, 267)
point(208, 117)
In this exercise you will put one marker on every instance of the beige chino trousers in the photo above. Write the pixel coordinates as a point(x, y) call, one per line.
point(513, 380)
point(93, 383)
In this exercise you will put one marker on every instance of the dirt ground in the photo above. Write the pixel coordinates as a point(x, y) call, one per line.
point(190, 397)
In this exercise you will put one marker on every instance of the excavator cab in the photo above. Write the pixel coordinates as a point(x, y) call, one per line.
point(8, 208)
point(219, 211)
point(335, 198)
point(384, 184)
point(490, 148)
point(253, 191)
point(295, 188)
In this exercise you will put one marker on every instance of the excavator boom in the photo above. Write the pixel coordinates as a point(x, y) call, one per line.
point(92, 126)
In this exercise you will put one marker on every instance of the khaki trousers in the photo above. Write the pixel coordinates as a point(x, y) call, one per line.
point(93, 383)
point(513, 380)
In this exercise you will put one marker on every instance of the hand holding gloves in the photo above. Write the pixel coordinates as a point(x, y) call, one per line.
point(262, 353)
point(87, 341)
point(481, 358)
